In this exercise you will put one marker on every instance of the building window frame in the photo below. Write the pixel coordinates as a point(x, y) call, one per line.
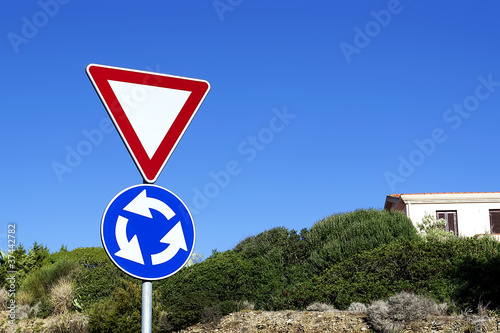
point(495, 221)
point(451, 218)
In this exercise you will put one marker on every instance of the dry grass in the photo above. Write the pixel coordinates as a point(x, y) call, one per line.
point(25, 311)
point(67, 323)
point(321, 307)
point(61, 296)
point(4, 299)
point(24, 297)
point(244, 305)
point(482, 309)
point(163, 324)
point(357, 308)
point(399, 310)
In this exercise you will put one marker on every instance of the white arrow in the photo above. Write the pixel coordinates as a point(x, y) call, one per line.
point(175, 237)
point(129, 250)
point(141, 205)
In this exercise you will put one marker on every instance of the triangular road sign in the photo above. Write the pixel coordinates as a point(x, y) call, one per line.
point(151, 111)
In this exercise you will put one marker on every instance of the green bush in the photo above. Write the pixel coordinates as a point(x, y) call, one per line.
point(187, 310)
point(341, 236)
point(96, 282)
point(96, 277)
point(283, 248)
point(220, 281)
point(38, 282)
point(476, 274)
point(24, 262)
point(89, 269)
point(119, 313)
point(459, 270)
point(44, 308)
point(278, 245)
point(84, 256)
point(275, 269)
point(434, 229)
point(36, 257)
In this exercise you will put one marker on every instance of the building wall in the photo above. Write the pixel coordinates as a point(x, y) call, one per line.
point(473, 218)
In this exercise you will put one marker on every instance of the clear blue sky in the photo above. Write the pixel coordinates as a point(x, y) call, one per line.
point(374, 98)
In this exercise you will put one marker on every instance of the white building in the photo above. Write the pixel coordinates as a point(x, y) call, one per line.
point(467, 214)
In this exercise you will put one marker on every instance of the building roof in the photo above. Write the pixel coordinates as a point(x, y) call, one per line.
point(398, 201)
point(399, 195)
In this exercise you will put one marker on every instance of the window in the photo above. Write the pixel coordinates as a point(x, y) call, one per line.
point(495, 221)
point(451, 220)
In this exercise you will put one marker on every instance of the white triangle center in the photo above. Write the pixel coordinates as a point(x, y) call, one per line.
point(151, 110)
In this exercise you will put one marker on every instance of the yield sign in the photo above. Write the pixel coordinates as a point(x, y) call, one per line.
point(151, 111)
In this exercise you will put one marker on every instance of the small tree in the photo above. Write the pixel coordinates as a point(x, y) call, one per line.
point(432, 229)
point(195, 258)
point(36, 256)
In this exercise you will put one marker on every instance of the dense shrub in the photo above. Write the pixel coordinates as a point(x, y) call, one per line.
point(38, 283)
point(227, 276)
point(275, 268)
point(278, 245)
point(476, 274)
point(88, 271)
point(119, 313)
point(84, 256)
point(97, 276)
point(385, 271)
point(341, 236)
point(219, 283)
point(434, 229)
point(283, 248)
point(36, 257)
point(459, 270)
point(188, 310)
point(93, 284)
point(24, 263)
point(336, 238)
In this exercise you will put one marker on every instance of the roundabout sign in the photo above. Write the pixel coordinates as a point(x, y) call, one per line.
point(148, 232)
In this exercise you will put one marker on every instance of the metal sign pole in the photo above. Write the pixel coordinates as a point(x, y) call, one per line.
point(147, 306)
point(147, 303)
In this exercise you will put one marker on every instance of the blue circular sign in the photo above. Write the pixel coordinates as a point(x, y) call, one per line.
point(148, 232)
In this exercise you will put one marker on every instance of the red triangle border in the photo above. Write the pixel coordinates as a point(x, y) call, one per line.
point(150, 169)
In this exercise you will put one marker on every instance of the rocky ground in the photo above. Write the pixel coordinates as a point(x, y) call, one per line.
point(340, 321)
point(274, 322)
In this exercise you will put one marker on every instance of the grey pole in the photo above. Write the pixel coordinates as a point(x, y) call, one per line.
point(147, 306)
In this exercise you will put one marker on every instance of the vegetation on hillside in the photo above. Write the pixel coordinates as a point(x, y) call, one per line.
point(346, 260)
